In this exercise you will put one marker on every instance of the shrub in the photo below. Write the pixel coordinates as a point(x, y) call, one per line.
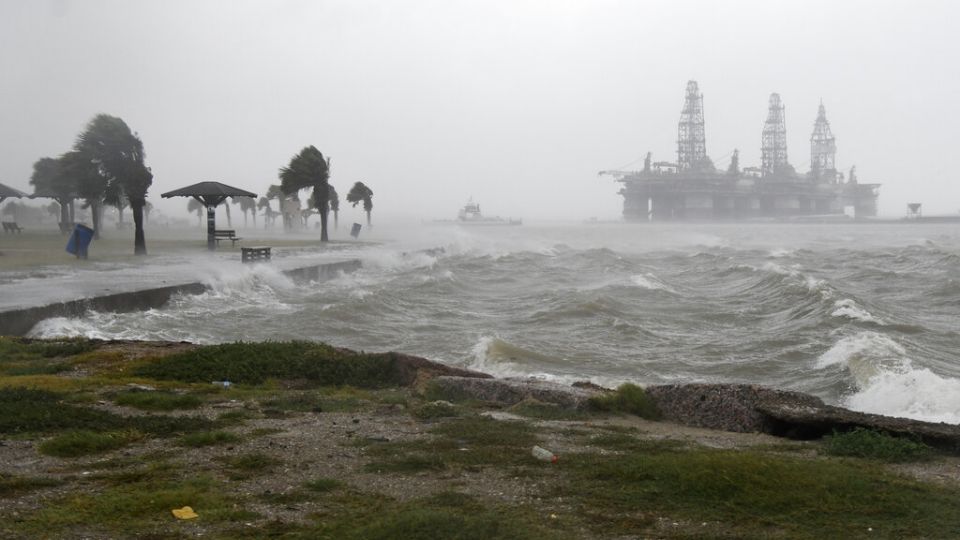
point(870, 444)
point(628, 398)
point(255, 363)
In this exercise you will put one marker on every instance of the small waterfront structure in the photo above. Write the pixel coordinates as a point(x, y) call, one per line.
point(209, 194)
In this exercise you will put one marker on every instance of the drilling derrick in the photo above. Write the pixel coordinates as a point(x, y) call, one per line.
point(691, 140)
point(823, 149)
point(773, 151)
point(692, 189)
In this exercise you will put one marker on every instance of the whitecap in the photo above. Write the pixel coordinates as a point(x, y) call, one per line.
point(887, 382)
point(848, 308)
point(650, 281)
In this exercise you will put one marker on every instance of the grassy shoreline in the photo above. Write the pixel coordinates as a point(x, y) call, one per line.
point(105, 439)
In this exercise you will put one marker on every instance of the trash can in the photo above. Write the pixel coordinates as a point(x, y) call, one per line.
point(355, 231)
point(80, 241)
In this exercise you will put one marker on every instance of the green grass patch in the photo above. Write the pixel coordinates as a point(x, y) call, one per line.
point(755, 494)
point(628, 398)
point(450, 515)
point(466, 443)
point(11, 486)
point(435, 410)
point(208, 438)
point(342, 399)
point(14, 349)
point(247, 465)
point(870, 444)
point(40, 411)
point(27, 410)
point(322, 485)
point(540, 410)
point(157, 400)
point(84, 443)
point(235, 417)
point(254, 363)
point(138, 506)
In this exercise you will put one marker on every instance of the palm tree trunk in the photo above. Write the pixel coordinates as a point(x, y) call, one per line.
point(336, 220)
point(139, 242)
point(95, 216)
point(323, 226)
point(64, 216)
point(368, 219)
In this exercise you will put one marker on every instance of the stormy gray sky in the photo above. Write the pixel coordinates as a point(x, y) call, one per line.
point(518, 103)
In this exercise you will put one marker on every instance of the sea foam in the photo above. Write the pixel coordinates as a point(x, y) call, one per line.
point(887, 382)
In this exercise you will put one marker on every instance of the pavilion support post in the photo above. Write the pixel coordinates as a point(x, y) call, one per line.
point(211, 226)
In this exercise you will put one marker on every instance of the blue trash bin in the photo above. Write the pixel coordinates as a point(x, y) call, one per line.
point(80, 241)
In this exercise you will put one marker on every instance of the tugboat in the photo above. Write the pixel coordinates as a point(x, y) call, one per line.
point(470, 215)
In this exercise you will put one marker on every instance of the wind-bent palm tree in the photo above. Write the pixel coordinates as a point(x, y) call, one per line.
point(89, 184)
point(48, 180)
point(118, 152)
point(360, 192)
point(264, 204)
point(247, 204)
point(334, 206)
point(309, 169)
point(194, 205)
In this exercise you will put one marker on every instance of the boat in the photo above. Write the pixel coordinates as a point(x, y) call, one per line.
point(470, 215)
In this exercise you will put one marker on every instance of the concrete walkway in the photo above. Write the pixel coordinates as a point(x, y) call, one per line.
point(29, 297)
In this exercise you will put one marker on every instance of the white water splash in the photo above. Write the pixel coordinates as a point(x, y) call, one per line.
point(888, 383)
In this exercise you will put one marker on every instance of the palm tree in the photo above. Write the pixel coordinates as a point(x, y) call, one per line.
point(194, 205)
point(118, 152)
point(264, 204)
point(247, 204)
point(89, 183)
point(309, 169)
point(360, 192)
point(48, 180)
point(334, 206)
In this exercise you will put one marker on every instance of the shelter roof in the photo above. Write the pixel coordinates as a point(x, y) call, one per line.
point(208, 189)
point(7, 191)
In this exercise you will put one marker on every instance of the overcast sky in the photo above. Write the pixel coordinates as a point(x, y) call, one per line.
point(517, 103)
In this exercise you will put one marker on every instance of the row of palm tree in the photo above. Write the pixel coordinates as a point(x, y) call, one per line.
point(309, 169)
point(105, 166)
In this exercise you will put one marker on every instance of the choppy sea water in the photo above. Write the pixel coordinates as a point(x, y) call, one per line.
point(864, 316)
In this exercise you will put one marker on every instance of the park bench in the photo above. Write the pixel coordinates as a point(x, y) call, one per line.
point(227, 234)
point(254, 254)
point(12, 227)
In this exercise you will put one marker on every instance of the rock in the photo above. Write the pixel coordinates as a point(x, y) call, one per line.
point(749, 408)
point(512, 391)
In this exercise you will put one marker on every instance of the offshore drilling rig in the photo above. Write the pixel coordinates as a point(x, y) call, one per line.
point(693, 189)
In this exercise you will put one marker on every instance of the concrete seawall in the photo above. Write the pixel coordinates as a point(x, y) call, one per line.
point(18, 322)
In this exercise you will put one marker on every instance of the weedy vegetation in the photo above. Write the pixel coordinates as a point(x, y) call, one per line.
point(109, 470)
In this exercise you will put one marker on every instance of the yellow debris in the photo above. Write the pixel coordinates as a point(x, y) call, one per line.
point(184, 513)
